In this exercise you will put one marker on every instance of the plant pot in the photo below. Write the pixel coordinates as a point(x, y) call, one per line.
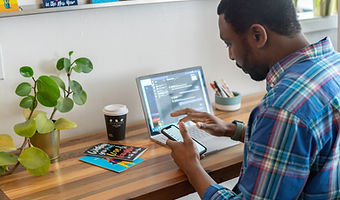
point(48, 142)
point(325, 7)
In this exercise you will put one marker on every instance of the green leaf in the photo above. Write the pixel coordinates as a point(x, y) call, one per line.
point(59, 82)
point(35, 161)
point(26, 129)
point(63, 123)
point(76, 87)
point(70, 53)
point(80, 99)
point(26, 71)
point(77, 69)
point(23, 89)
point(7, 159)
point(27, 113)
point(48, 91)
point(85, 64)
point(44, 125)
point(64, 63)
point(6, 143)
point(27, 102)
point(3, 169)
point(65, 104)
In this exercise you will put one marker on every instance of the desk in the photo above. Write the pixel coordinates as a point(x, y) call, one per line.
point(157, 177)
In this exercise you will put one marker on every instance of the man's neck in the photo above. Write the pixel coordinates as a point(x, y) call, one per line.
point(282, 46)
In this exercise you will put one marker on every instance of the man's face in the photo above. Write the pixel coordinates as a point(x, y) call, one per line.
point(240, 51)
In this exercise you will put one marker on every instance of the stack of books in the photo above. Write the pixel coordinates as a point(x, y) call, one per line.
point(113, 156)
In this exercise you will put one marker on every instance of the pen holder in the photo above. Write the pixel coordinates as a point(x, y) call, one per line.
point(228, 103)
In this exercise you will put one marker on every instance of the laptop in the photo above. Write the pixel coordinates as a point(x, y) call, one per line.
point(164, 93)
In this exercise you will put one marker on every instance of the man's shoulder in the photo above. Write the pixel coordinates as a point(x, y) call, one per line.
point(306, 88)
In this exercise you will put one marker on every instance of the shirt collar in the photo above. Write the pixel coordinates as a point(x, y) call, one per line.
point(320, 48)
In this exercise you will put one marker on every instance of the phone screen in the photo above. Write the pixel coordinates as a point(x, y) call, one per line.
point(172, 132)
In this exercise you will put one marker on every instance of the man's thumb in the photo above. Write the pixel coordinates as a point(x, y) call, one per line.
point(184, 132)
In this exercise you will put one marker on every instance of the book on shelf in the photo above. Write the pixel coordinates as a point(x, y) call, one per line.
point(110, 163)
point(103, 1)
point(115, 151)
point(59, 3)
point(8, 5)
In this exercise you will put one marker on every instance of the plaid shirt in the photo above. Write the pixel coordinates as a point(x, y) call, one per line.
point(292, 144)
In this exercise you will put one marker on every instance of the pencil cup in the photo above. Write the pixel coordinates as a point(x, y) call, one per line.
point(228, 103)
point(115, 120)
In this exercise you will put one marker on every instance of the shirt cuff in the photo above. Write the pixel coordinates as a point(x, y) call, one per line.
point(212, 190)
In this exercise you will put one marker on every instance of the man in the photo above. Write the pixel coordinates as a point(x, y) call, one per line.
point(292, 141)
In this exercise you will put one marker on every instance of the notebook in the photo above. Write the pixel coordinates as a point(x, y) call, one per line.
point(164, 93)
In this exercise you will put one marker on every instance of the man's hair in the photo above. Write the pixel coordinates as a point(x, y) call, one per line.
point(277, 15)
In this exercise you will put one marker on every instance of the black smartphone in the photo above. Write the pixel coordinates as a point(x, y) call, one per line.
point(173, 133)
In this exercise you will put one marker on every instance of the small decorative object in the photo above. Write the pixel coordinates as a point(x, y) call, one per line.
point(8, 5)
point(103, 1)
point(42, 133)
point(325, 7)
point(59, 3)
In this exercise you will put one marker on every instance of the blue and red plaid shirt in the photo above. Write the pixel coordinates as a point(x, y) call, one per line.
point(292, 143)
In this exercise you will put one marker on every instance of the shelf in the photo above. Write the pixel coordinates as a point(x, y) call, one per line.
point(32, 10)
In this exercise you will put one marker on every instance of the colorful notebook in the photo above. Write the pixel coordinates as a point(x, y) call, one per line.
point(59, 3)
point(121, 152)
point(8, 5)
point(111, 164)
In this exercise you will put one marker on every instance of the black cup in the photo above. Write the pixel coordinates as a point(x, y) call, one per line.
point(115, 120)
point(115, 127)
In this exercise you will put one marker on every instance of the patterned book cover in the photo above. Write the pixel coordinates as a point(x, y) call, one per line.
point(110, 163)
point(121, 152)
point(103, 1)
point(59, 3)
point(8, 5)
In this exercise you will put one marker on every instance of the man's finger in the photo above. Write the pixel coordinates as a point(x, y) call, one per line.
point(205, 127)
point(170, 143)
point(182, 112)
point(184, 132)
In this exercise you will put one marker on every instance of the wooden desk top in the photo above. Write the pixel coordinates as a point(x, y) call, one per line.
point(157, 177)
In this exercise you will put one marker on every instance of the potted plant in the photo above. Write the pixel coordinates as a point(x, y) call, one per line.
point(325, 7)
point(41, 132)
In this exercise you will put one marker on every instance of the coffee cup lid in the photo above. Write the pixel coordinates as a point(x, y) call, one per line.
point(115, 109)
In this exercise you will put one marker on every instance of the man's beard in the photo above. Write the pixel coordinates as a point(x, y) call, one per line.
point(254, 71)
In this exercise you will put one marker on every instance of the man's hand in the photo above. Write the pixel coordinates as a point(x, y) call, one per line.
point(207, 122)
point(185, 154)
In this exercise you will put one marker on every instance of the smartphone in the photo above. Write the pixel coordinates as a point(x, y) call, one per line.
point(173, 133)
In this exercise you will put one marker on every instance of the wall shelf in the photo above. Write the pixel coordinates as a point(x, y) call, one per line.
point(32, 10)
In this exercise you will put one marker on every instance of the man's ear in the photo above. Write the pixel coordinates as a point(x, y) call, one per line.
point(257, 36)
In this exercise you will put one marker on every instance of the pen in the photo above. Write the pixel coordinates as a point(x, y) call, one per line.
point(215, 89)
point(226, 88)
point(218, 89)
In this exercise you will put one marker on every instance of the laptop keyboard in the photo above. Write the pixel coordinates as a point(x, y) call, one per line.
point(197, 133)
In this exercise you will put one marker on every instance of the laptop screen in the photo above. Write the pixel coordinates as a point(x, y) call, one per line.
point(164, 93)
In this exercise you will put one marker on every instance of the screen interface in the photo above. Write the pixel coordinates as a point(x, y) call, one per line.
point(168, 93)
point(175, 133)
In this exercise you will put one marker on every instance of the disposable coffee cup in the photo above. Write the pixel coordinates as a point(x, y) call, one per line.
point(115, 120)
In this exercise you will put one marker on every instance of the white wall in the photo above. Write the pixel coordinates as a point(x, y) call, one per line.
point(123, 43)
